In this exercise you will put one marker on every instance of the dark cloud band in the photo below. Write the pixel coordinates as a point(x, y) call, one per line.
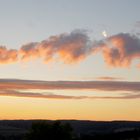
point(15, 87)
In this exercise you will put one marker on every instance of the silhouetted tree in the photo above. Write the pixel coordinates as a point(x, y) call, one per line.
point(50, 131)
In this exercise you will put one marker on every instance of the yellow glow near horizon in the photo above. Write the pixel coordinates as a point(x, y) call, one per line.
point(84, 109)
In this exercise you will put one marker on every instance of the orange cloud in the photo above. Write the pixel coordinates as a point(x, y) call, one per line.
point(69, 48)
point(109, 78)
point(118, 50)
point(28, 52)
point(8, 56)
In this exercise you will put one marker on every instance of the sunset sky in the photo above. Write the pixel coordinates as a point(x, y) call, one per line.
point(70, 59)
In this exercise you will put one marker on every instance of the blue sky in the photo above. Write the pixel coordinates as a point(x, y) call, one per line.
point(36, 20)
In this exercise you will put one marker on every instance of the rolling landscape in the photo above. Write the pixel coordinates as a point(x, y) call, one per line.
point(18, 129)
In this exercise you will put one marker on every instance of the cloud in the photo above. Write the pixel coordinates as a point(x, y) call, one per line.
point(121, 49)
point(15, 93)
point(109, 78)
point(68, 47)
point(29, 51)
point(66, 85)
point(8, 56)
point(14, 87)
point(118, 50)
point(126, 96)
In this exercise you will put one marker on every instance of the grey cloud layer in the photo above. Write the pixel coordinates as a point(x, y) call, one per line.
point(11, 88)
point(95, 85)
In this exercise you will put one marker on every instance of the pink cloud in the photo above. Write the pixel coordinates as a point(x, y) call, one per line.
point(118, 50)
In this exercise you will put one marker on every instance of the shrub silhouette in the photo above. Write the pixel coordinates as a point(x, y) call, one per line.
point(50, 131)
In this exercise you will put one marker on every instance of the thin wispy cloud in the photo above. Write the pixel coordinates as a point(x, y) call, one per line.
point(17, 87)
point(66, 85)
point(14, 93)
point(109, 78)
point(118, 50)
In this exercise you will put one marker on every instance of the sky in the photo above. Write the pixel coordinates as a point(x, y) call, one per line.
point(77, 59)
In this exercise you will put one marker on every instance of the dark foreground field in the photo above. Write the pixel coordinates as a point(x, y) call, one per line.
point(80, 130)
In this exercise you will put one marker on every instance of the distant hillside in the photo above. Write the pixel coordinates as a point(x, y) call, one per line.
point(10, 127)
